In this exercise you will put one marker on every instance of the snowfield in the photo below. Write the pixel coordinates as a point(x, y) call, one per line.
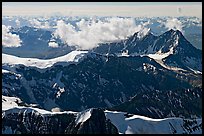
point(73, 56)
point(136, 124)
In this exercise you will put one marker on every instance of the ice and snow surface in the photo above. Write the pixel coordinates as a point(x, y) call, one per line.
point(5, 71)
point(73, 56)
point(9, 102)
point(158, 56)
point(137, 124)
point(12, 103)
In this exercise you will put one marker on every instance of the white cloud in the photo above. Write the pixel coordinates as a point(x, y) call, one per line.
point(38, 24)
point(94, 31)
point(53, 44)
point(143, 32)
point(17, 23)
point(9, 39)
point(174, 24)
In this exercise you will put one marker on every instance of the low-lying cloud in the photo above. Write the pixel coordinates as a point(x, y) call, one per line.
point(9, 39)
point(53, 45)
point(92, 32)
point(38, 24)
point(174, 24)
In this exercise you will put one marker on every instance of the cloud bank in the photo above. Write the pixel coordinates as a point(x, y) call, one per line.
point(9, 39)
point(174, 24)
point(38, 24)
point(92, 32)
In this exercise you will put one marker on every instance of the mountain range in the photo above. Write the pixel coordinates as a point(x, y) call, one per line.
point(147, 75)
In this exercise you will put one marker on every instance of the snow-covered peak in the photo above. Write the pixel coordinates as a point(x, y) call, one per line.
point(73, 56)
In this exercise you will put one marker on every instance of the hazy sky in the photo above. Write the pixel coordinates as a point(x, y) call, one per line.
point(133, 9)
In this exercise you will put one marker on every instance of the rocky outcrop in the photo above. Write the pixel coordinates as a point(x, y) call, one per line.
point(96, 124)
point(30, 121)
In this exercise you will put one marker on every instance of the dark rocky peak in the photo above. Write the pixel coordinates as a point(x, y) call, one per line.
point(172, 33)
point(176, 37)
point(30, 121)
point(98, 124)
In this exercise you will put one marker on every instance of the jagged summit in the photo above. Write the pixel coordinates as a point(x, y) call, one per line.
point(169, 44)
point(173, 32)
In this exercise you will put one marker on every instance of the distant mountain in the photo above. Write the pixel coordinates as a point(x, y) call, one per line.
point(179, 52)
point(35, 43)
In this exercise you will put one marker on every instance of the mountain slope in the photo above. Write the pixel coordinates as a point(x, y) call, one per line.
point(108, 80)
point(161, 104)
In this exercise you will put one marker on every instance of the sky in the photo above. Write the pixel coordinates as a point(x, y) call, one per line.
point(131, 9)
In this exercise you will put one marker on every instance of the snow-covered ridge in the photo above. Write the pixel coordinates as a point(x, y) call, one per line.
point(136, 124)
point(73, 56)
point(132, 124)
point(125, 123)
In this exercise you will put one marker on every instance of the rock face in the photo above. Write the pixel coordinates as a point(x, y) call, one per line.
point(29, 121)
point(158, 104)
point(32, 122)
point(96, 124)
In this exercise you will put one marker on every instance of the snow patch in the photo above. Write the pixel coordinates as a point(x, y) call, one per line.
point(83, 116)
point(5, 71)
point(61, 90)
point(195, 71)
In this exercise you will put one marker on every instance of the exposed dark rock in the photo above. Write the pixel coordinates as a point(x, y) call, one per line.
point(29, 121)
point(96, 124)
